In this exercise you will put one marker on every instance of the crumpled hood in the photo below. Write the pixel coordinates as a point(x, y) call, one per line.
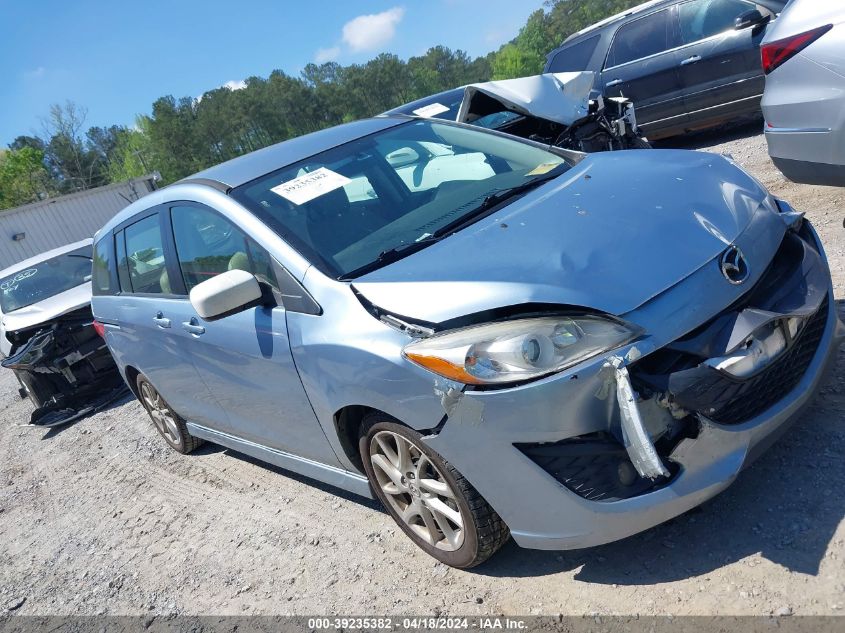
point(616, 230)
point(48, 309)
point(561, 97)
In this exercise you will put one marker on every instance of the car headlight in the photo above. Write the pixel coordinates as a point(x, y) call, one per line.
point(513, 351)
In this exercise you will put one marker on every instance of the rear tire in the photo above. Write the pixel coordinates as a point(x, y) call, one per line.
point(428, 497)
point(167, 422)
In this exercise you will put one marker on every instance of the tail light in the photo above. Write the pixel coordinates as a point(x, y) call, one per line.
point(775, 54)
point(99, 328)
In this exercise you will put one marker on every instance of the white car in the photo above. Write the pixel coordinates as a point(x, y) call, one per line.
point(48, 337)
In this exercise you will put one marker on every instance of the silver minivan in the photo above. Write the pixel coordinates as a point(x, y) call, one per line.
point(492, 337)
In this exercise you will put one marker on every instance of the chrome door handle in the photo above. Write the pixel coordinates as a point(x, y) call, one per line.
point(160, 321)
point(193, 327)
point(615, 82)
point(691, 60)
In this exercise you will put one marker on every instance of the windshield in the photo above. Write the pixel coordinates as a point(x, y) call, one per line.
point(45, 279)
point(344, 208)
point(444, 105)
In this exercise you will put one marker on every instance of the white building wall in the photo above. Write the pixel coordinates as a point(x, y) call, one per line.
point(65, 219)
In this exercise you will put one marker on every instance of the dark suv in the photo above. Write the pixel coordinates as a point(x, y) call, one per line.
point(686, 64)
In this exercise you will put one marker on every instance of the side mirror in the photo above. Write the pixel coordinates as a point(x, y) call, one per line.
point(750, 18)
point(225, 294)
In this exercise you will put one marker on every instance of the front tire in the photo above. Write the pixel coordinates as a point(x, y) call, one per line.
point(166, 421)
point(427, 497)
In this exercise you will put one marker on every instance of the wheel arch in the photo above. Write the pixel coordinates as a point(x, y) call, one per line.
point(347, 425)
point(130, 375)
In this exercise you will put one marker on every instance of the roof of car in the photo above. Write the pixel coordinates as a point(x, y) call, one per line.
point(243, 169)
point(774, 5)
point(37, 259)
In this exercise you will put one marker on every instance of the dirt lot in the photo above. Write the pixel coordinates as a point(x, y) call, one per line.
point(101, 517)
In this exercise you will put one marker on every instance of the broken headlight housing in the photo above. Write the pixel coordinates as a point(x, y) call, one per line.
point(518, 350)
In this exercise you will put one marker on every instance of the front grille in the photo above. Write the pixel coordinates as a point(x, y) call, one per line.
point(752, 397)
point(678, 372)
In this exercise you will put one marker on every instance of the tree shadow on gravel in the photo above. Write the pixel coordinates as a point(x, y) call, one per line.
point(744, 128)
point(786, 507)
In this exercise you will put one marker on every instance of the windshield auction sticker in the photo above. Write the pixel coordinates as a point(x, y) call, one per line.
point(432, 109)
point(12, 283)
point(542, 168)
point(311, 185)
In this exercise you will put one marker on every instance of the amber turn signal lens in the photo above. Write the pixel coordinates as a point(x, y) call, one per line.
point(444, 368)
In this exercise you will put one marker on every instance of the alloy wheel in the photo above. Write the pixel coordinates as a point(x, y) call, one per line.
point(161, 414)
point(417, 491)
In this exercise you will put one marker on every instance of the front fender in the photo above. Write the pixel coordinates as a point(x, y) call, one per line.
point(345, 357)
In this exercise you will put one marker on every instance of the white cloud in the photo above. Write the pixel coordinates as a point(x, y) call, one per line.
point(324, 55)
point(232, 84)
point(368, 32)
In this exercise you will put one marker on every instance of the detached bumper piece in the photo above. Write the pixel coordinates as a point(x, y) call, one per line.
point(67, 370)
point(744, 361)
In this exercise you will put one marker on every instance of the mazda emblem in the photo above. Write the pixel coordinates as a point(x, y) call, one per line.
point(733, 265)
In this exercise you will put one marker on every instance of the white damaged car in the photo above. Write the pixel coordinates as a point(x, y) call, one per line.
point(49, 339)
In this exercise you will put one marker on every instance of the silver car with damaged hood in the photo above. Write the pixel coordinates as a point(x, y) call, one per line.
point(560, 109)
point(492, 337)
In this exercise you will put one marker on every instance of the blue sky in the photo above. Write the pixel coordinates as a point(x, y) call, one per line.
point(115, 58)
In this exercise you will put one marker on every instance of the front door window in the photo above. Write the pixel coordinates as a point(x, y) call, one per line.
point(208, 244)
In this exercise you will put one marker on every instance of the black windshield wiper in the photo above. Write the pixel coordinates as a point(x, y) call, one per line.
point(391, 255)
point(491, 202)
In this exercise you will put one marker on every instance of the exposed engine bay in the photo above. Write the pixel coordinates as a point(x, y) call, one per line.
point(559, 109)
point(65, 368)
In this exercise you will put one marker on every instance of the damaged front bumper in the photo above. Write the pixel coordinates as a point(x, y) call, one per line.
point(65, 368)
point(619, 445)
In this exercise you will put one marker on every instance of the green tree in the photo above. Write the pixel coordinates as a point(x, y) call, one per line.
point(73, 161)
point(566, 17)
point(174, 135)
point(133, 155)
point(512, 61)
point(23, 177)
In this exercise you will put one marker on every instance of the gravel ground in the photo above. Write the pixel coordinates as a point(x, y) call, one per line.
point(100, 517)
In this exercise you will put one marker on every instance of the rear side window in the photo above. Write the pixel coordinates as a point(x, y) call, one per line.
point(701, 19)
point(103, 256)
point(144, 257)
point(208, 244)
point(643, 37)
point(575, 57)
